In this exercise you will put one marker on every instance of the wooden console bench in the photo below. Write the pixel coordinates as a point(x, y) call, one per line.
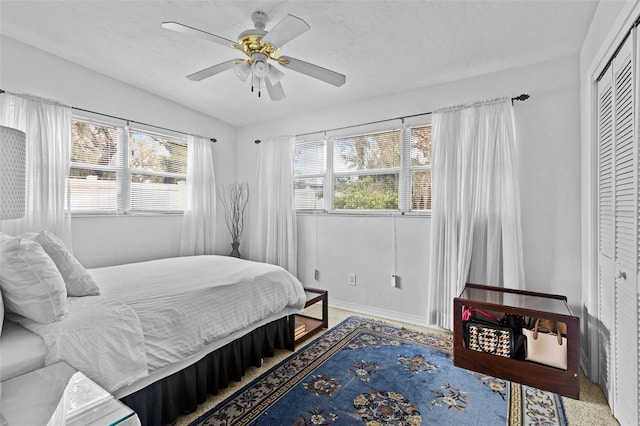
point(528, 304)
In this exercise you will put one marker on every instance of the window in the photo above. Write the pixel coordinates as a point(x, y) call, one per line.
point(420, 167)
point(309, 170)
point(115, 169)
point(385, 170)
point(158, 172)
point(366, 171)
point(95, 166)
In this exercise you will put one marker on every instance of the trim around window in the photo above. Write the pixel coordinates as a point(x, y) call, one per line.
point(366, 174)
point(119, 170)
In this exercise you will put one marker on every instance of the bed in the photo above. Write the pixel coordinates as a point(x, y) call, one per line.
point(163, 334)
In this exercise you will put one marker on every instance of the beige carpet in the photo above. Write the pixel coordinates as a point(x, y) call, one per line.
point(591, 409)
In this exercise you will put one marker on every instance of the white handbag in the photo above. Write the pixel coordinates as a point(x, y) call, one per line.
point(546, 348)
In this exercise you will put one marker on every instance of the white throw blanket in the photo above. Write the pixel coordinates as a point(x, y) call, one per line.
point(99, 336)
point(153, 314)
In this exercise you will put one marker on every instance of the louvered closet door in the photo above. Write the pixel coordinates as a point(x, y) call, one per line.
point(606, 305)
point(625, 172)
point(618, 233)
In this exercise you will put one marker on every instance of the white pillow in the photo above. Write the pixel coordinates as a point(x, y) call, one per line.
point(77, 279)
point(30, 282)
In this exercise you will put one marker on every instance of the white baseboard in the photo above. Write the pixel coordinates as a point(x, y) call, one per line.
point(382, 313)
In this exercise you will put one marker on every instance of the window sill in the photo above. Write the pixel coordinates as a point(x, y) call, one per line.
point(131, 214)
point(368, 213)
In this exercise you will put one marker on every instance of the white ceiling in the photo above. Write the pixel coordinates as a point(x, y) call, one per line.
point(382, 47)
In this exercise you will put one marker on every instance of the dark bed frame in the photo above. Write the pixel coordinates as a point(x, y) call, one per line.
point(163, 401)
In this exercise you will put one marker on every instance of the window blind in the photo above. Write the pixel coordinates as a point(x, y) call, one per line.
point(420, 167)
point(376, 169)
point(96, 166)
point(157, 172)
point(367, 171)
point(309, 166)
point(116, 169)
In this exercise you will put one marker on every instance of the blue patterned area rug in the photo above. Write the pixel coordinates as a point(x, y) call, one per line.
point(369, 372)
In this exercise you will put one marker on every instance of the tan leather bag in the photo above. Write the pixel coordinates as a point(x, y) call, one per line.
point(546, 348)
point(549, 326)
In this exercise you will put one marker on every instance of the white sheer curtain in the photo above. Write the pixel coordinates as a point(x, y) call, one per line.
point(47, 126)
point(275, 239)
point(199, 220)
point(475, 219)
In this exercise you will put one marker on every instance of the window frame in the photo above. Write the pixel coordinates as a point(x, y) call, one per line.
point(122, 170)
point(322, 175)
point(411, 169)
point(405, 171)
point(366, 172)
point(129, 171)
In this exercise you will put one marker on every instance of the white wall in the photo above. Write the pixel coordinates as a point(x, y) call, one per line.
point(549, 159)
point(548, 135)
point(111, 240)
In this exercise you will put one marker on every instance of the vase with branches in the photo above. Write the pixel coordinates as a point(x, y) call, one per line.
point(235, 201)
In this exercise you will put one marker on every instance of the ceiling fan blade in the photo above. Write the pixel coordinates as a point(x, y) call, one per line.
point(276, 92)
point(286, 30)
point(211, 71)
point(314, 71)
point(184, 29)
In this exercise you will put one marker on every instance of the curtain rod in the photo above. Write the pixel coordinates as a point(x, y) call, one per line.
point(124, 119)
point(522, 97)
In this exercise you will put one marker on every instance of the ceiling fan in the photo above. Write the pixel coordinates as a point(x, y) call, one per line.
point(262, 49)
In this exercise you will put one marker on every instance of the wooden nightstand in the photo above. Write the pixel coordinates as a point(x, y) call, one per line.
point(310, 325)
point(58, 395)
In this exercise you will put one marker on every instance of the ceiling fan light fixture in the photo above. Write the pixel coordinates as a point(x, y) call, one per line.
point(259, 66)
point(242, 70)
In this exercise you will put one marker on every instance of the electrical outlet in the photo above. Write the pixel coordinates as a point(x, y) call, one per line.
point(352, 279)
point(316, 274)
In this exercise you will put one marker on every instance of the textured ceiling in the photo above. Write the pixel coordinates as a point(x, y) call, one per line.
point(381, 46)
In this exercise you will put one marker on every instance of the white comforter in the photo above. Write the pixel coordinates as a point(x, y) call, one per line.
point(153, 314)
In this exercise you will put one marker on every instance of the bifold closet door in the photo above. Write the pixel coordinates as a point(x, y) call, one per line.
point(618, 221)
point(626, 233)
point(606, 302)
